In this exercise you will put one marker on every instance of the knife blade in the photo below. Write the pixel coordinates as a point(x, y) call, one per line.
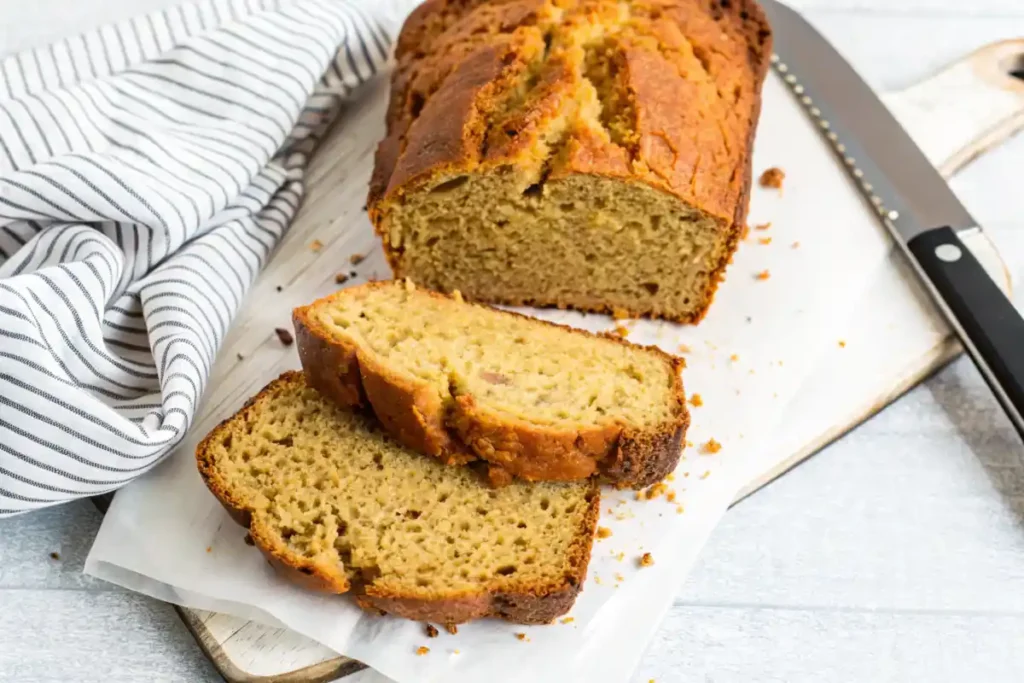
point(911, 198)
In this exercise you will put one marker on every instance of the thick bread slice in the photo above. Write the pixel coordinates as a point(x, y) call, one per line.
point(462, 381)
point(338, 506)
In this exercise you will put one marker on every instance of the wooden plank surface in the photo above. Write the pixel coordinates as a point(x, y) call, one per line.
point(822, 576)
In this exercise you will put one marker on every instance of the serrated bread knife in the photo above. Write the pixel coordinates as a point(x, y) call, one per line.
point(911, 198)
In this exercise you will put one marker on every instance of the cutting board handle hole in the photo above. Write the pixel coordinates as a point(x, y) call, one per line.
point(1015, 67)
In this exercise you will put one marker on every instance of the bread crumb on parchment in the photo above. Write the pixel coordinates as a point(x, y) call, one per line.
point(772, 178)
point(711, 446)
point(356, 259)
point(284, 335)
point(763, 275)
point(420, 651)
point(646, 560)
point(316, 245)
point(696, 401)
point(603, 532)
point(431, 631)
point(763, 226)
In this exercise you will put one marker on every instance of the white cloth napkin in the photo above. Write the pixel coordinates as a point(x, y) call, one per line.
point(147, 171)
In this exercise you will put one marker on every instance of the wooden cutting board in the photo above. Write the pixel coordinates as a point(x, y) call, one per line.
point(956, 115)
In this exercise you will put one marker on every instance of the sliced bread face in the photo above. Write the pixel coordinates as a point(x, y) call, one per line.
point(341, 507)
point(460, 381)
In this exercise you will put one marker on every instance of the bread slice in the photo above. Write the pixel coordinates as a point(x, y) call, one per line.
point(589, 154)
point(462, 381)
point(340, 507)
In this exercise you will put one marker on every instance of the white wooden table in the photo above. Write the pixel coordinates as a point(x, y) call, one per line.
point(828, 574)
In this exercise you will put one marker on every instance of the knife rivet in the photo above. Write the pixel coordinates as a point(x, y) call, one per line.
point(893, 215)
point(798, 89)
point(948, 252)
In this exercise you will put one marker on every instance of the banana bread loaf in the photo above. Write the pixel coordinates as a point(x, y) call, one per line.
point(338, 507)
point(592, 154)
point(462, 381)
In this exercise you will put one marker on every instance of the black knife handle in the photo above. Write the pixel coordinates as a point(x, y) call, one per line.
point(990, 328)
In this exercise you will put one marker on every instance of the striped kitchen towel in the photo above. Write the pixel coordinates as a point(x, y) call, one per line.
point(147, 170)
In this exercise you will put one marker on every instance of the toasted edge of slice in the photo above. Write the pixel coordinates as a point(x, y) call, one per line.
point(414, 413)
point(526, 604)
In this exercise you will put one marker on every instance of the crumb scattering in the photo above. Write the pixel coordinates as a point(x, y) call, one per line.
point(653, 491)
point(696, 401)
point(620, 331)
point(620, 556)
point(431, 631)
point(689, 444)
point(54, 555)
point(356, 259)
point(763, 226)
point(680, 509)
point(734, 357)
point(842, 343)
point(646, 560)
point(316, 245)
point(707, 473)
point(683, 348)
point(567, 620)
point(764, 240)
point(340, 279)
point(619, 577)
point(284, 335)
point(711, 446)
point(421, 650)
point(773, 178)
point(763, 275)
point(603, 532)
point(521, 636)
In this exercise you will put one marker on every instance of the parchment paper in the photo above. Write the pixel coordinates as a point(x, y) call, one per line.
point(166, 536)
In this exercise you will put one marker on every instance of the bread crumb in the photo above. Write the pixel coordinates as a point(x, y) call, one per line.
point(279, 288)
point(772, 178)
point(340, 279)
point(671, 476)
point(646, 560)
point(54, 556)
point(356, 259)
point(431, 631)
point(239, 356)
point(248, 540)
point(597, 579)
point(711, 446)
point(420, 651)
point(620, 314)
point(696, 401)
point(795, 245)
point(680, 510)
point(603, 532)
point(683, 348)
point(745, 232)
point(620, 577)
point(707, 473)
point(670, 496)
point(734, 357)
point(451, 628)
point(764, 240)
point(284, 335)
point(763, 275)
point(763, 226)
point(686, 475)
point(316, 245)
point(620, 331)
point(209, 548)
point(567, 620)
point(522, 636)
point(620, 556)
point(652, 491)
point(456, 652)
point(842, 344)
point(689, 444)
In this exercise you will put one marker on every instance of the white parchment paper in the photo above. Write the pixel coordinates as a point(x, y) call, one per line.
point(165, 535)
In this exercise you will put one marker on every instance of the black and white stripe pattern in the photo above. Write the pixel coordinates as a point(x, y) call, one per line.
point(147, 171)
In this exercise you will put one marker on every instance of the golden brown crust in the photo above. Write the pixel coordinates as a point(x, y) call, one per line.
point(691, 72)
point(526, 604)
point(414, 413)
